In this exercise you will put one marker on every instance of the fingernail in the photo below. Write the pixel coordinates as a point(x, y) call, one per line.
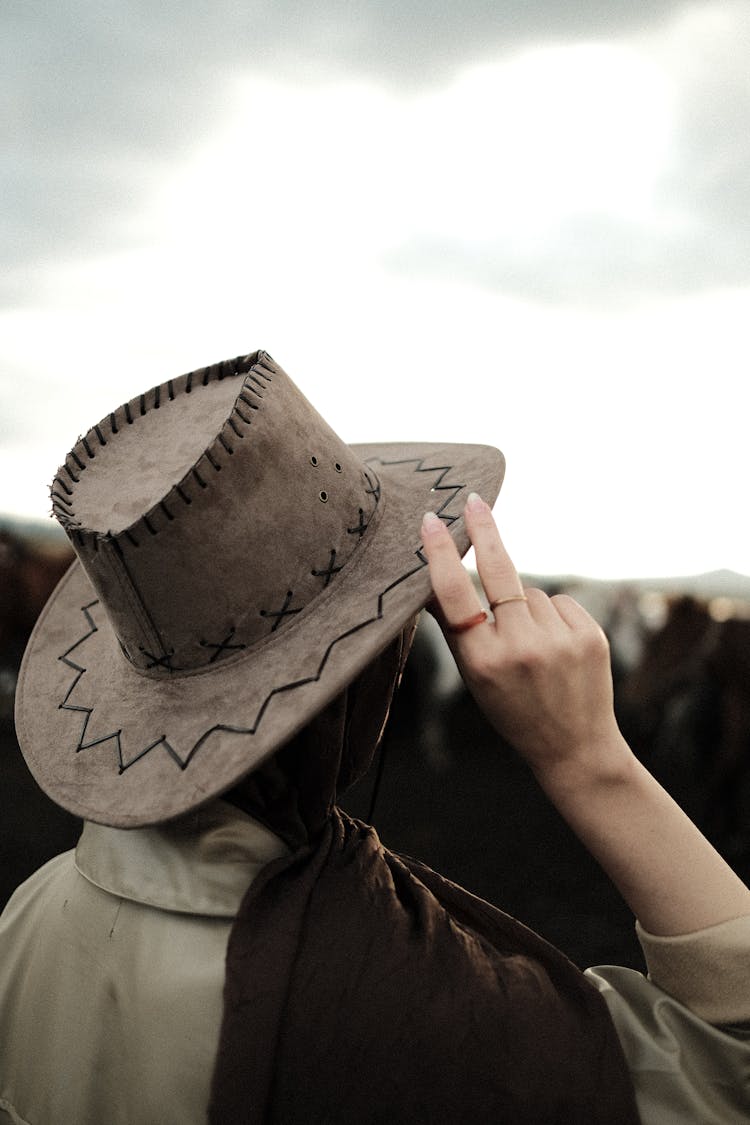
point(475, 503)
point(431, 523)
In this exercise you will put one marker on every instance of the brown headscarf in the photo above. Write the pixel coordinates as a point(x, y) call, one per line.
point(363, 987)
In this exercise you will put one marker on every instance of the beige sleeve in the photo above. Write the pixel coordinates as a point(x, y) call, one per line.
point(708, 971)
point(684, 1070)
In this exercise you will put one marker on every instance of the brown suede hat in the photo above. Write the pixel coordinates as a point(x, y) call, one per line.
point(238, 565)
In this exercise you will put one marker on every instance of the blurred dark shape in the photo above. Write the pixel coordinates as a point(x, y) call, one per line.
point(32, 828)
point(626, 631)
point(29, 572)
point(685, 709)
point(668, 669)
point(430, 684)
point(727, 751)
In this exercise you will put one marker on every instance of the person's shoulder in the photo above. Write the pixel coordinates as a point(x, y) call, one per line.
point(38, 887)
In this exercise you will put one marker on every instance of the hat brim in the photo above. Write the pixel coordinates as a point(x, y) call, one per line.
point(119, 747)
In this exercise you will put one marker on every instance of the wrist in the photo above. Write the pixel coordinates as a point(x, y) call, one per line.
point(605, 763)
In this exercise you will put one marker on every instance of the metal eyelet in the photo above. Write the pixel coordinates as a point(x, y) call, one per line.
point(314, 461)
point(323, 496)
point(337, 467)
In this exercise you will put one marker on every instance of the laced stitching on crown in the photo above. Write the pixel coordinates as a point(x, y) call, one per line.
point(159, 514)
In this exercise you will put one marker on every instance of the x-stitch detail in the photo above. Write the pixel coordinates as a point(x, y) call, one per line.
point(222, 646)
point(330, 570)
point(163, 661)
point(280, 614)
point(184, 762)
point(361, 527)
point(326, 574)
point(373, 489)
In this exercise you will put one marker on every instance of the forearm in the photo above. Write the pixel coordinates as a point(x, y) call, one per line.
point(674, 881)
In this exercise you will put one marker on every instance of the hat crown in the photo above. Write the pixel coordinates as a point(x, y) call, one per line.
point(211, 511)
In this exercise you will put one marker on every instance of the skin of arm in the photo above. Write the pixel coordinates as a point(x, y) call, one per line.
point(540, 672)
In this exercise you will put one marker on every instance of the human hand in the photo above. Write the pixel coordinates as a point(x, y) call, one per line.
point(540, 671)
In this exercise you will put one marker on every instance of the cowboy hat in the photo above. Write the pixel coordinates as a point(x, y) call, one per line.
point(238, 565)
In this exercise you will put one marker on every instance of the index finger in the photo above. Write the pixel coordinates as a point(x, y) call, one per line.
point(454, 590)
point(497, 571)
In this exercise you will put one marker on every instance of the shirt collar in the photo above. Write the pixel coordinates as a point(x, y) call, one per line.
point(200, 864)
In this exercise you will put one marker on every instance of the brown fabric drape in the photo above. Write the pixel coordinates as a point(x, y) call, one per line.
point(361, 987)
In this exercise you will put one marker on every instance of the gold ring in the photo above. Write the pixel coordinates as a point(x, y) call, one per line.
point(510, 598)
point(469, 623)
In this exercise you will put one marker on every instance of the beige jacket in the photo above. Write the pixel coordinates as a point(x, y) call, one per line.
point(112, 965)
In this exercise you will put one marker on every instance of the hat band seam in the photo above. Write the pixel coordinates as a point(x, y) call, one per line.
point(350, 567)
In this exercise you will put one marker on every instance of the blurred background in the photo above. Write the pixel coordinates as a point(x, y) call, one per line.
point(524, 224)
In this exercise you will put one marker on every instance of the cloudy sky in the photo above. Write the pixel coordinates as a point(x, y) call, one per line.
point(517, 223)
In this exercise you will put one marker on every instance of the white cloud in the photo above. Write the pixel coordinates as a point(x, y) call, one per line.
point(283, 228)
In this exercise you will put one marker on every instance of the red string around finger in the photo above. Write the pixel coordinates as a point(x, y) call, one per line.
point(469, 623)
